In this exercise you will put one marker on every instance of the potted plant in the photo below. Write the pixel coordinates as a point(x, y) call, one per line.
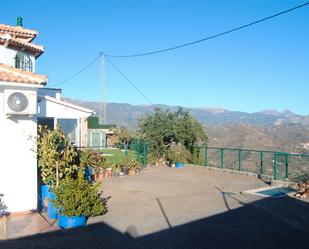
point(124, 165)
point(116, 169)
point(133, 166)
point(178, 155)
point(76, 200)
point(92, 160)
point(98, 164)
point(57, 158)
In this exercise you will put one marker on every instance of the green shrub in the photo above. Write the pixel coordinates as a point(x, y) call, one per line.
point(178, 153)
point(56, 155)
point(77, 197)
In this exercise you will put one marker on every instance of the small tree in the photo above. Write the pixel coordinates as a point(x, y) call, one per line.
point(124, 136)
point(57, 157)
point(164, 128)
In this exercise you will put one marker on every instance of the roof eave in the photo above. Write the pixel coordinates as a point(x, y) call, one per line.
point(61, 102)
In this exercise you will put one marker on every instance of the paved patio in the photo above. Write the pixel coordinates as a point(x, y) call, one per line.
point(177, 208)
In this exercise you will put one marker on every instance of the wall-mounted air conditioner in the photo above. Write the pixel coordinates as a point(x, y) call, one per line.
point(20, 102)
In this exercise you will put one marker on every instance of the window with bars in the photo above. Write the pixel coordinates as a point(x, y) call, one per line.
point(23, 61)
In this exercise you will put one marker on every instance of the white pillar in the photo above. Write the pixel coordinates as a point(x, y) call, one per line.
point(18, 163)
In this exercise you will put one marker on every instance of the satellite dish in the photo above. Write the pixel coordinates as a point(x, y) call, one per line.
point(17, 102)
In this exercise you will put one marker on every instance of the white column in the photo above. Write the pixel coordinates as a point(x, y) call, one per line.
point(18, 163)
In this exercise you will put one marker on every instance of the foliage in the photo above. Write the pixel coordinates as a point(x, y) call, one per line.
point(76, 197)
point(303, 189)
point(3, 207)
point(124, 136)
point(115, 167)
point(151, 158)
point(133, 164)
point(129, 164)
point(164, 128)
point(197, 156)
point(178, 153)
point(94, 159)
point(56, 155)
point(303, 178)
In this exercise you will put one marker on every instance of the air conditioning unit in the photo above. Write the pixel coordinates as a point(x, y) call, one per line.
point(20, 102)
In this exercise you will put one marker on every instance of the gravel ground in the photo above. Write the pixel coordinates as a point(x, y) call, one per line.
point(184, 208)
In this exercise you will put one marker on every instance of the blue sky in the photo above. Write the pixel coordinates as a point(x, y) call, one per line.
point(263, 67)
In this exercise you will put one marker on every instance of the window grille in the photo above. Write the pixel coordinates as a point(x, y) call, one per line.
point(23, 61)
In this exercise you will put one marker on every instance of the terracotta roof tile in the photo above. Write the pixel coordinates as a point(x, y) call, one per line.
point(20, 37)
point(17, 30)
point(36, 49)
point(11, 74)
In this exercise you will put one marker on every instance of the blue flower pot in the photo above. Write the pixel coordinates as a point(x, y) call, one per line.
point(51, 210)
point(88, 173)
point(179, 165)
point(44, 193)
point(71, 221)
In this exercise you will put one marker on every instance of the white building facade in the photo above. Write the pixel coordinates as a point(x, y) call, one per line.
point(25, 103)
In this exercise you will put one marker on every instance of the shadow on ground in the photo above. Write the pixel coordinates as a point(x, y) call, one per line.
point(268, 223)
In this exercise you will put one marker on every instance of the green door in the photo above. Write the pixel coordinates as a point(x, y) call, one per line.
point(97, 139)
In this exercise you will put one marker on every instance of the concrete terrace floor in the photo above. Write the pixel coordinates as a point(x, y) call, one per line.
point(183, 208)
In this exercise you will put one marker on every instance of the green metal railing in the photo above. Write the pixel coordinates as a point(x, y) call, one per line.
point(276, 164)
point(141, 149)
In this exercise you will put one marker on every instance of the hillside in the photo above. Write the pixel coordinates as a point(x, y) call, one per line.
point(293, 138)
point(267, 129)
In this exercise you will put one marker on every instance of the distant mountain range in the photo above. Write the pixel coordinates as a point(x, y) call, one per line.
point(127, 115)
point(268, 129)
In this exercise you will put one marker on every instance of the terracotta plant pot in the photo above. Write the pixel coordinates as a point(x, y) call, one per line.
point(132, 172)
point(100, 177)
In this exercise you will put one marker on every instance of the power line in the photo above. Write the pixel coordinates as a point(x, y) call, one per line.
point(175, 47)
point(211, 37)
point(124, 76)
point(77, 73)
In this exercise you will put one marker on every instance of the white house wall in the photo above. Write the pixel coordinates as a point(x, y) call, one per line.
point(18, 163)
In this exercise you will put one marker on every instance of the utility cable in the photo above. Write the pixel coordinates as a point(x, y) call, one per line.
point(77, 73)
point(210, 37)
point(127, 79)
point(175, 47)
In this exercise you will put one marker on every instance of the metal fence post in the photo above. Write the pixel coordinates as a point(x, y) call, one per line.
point(222, 157)
point(239, 160)
point(206, 157)
point(286, 165)
point(275, 166)
point(261, 162)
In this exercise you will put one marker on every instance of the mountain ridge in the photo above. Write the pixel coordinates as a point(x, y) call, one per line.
point(127, 115)
point(267, 129)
